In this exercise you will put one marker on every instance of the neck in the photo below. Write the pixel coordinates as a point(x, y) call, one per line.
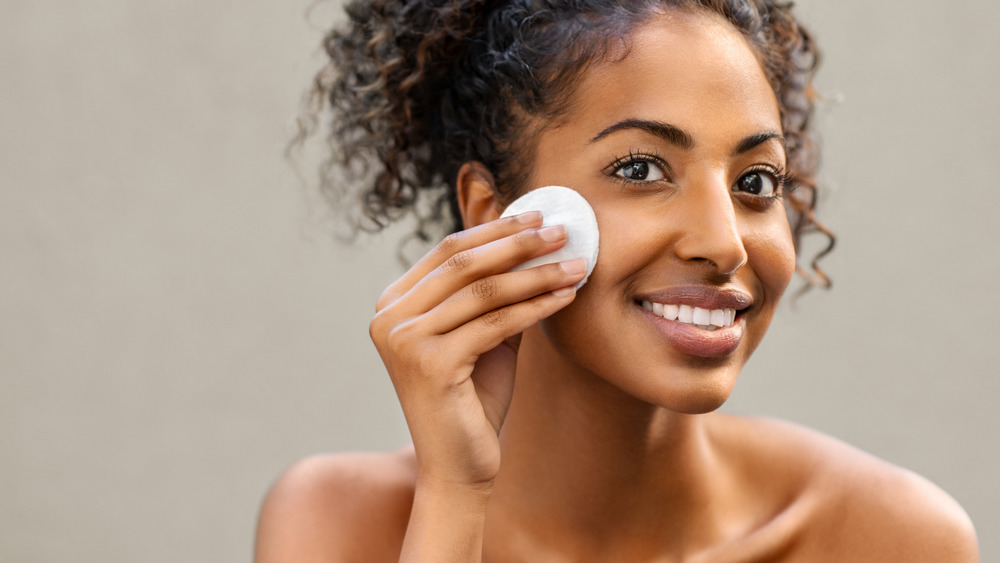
point(587, 464)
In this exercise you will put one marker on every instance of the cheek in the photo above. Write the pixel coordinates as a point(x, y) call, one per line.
point(590, 319)
point(632, 237)
point(772, 254)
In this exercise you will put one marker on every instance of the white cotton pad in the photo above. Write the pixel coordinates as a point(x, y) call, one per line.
point(566, 207)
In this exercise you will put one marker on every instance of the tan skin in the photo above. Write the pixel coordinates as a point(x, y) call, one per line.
point(610, 448)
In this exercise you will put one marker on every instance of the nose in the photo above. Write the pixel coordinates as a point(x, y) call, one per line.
point(707, 228)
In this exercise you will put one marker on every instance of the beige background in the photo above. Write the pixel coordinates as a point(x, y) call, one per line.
point(177, 325)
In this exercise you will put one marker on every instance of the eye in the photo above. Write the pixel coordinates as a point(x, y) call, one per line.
point(638, 169)
point(759, 183)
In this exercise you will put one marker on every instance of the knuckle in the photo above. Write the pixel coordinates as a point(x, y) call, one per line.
point(377, 329)
point(397, 339)
point(459, 262)
point(413, 359)
point(496, 318)
point(486, 289)
point(450, 244)
point(387, 297)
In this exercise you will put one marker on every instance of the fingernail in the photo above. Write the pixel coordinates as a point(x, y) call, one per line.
point(529, 217)
point(563, 292)
point(552, 234)
point(574, 266)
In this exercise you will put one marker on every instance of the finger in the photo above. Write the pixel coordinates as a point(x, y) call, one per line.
point(489, 330)
point(469, 266)
point(454, 244)
point(494, 292)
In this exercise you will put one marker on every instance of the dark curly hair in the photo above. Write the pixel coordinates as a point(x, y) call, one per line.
point(416, 88)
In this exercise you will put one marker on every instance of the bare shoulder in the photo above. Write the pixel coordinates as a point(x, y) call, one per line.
point(856, 507)
point(338, 507)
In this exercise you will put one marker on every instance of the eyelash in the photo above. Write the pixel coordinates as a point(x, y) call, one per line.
point(634, 157)
point(781, 177)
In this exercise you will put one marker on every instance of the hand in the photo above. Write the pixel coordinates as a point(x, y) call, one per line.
point(448, 333)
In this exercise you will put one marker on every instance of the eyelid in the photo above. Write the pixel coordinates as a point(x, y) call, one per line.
point(780, 174)
point(639, 156)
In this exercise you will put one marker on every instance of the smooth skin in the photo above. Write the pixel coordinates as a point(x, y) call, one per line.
point(609, 444)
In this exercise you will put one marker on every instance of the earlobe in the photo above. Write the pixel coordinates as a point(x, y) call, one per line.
point(477, 198)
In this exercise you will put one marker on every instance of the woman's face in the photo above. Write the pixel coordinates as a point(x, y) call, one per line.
point(678, 148)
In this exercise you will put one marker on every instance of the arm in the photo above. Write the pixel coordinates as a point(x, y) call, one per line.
point(446, 524)
point(448, 333)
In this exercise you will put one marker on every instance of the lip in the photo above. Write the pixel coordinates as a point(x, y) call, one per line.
point(689, 339)
point(701, 296)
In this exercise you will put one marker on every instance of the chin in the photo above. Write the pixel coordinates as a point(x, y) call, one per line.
point(699, 403)
point(699, 393)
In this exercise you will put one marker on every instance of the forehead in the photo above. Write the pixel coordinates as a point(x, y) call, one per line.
point(692, 69)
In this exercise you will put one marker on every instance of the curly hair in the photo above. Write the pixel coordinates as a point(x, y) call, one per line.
point(416, 88)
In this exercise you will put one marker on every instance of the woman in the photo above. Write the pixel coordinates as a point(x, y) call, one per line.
point(555, 424)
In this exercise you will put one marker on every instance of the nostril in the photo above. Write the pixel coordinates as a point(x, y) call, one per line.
point(730, 266)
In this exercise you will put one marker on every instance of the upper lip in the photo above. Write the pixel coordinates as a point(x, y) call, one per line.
point(705, 297)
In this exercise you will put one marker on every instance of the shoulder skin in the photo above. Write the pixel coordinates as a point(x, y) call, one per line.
point(343, 507)
point(861, 508)
point(854, 507)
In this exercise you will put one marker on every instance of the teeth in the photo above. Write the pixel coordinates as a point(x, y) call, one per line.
point(670, 312)
point(702, 316)
point(719, 317)
point(705, 319)
point(686, 314)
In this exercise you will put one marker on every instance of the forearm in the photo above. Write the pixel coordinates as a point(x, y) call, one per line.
point(446, 525)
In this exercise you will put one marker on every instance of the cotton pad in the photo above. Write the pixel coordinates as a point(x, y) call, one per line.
point(566, 207)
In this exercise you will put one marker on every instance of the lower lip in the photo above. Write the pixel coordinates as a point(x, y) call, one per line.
point(697, 342)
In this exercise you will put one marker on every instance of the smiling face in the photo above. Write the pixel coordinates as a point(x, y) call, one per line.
point(678, 148)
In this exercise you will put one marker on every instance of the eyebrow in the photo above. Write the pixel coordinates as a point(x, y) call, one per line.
point(755, 140)
point(677, 136)
point(670, 133)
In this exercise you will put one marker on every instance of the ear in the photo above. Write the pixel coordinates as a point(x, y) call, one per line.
point(477, 197)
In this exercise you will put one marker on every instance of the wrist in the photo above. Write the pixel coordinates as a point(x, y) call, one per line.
point(447, 522)
point(449, 490)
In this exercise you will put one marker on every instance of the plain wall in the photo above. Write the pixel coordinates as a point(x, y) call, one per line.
point(177, 324)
